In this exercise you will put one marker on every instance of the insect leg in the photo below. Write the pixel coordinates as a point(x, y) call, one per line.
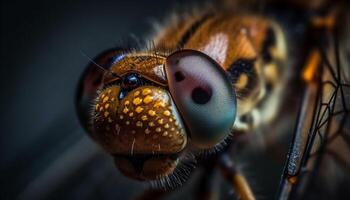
point(238, 181)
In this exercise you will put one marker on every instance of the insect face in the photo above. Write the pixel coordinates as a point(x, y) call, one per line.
point(159, 108)
point(153, 110)
point(146, 118)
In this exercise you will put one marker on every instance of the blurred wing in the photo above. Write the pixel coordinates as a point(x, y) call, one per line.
point(318, 164)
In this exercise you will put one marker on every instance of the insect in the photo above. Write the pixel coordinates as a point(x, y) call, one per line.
point(214, 76)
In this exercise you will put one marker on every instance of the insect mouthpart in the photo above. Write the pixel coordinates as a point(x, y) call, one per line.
point(146, 166)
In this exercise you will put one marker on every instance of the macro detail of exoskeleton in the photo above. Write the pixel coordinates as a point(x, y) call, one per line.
point(208, 77)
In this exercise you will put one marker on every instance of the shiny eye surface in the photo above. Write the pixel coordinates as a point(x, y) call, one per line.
point(130, 81)
point(203, 94)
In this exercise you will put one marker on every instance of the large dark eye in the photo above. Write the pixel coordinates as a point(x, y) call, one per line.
point(91, 81)
point(203, 94)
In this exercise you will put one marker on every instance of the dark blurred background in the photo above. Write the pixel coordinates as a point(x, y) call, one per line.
point(44, 151)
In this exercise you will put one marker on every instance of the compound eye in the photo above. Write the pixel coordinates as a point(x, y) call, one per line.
point(91, 81)
point(203, 94)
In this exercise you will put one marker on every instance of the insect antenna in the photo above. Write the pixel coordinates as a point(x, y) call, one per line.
point(97, 65)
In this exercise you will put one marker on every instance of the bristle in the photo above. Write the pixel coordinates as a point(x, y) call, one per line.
point(179, 176)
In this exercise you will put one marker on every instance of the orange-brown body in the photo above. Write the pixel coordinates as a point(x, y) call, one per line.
point(141, 115)
point(146, 121)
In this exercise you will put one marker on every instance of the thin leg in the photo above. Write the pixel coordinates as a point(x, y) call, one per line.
point(237, 180)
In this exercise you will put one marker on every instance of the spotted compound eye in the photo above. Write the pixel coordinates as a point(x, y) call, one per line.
point(203, 94)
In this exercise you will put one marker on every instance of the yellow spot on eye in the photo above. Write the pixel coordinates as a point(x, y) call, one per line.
point(107, 105)
point(167, 113)
point(136, 93)
point(165, 133)
point(96, 107)
point(160, 121)
point(146, 91)
point(139, 124)
point(158, 129)
point(166, 126)
point(101, 108)
point(106, 114)
point(159, 104)
point(144, 117)
point(105, 99)
point(148, 99)
point(112, 99)
point(110, 120)
point(151, 113)
point(126, 103)
point(172, 129)
point(137, 101)
point(139, 109)
point(127, 122)
point(121, 117)
point(102, 96)
point(147, 131)
point(109, 91)
point(170, 119)
point(125, 110)
point(151, 124)
point(131, 114)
